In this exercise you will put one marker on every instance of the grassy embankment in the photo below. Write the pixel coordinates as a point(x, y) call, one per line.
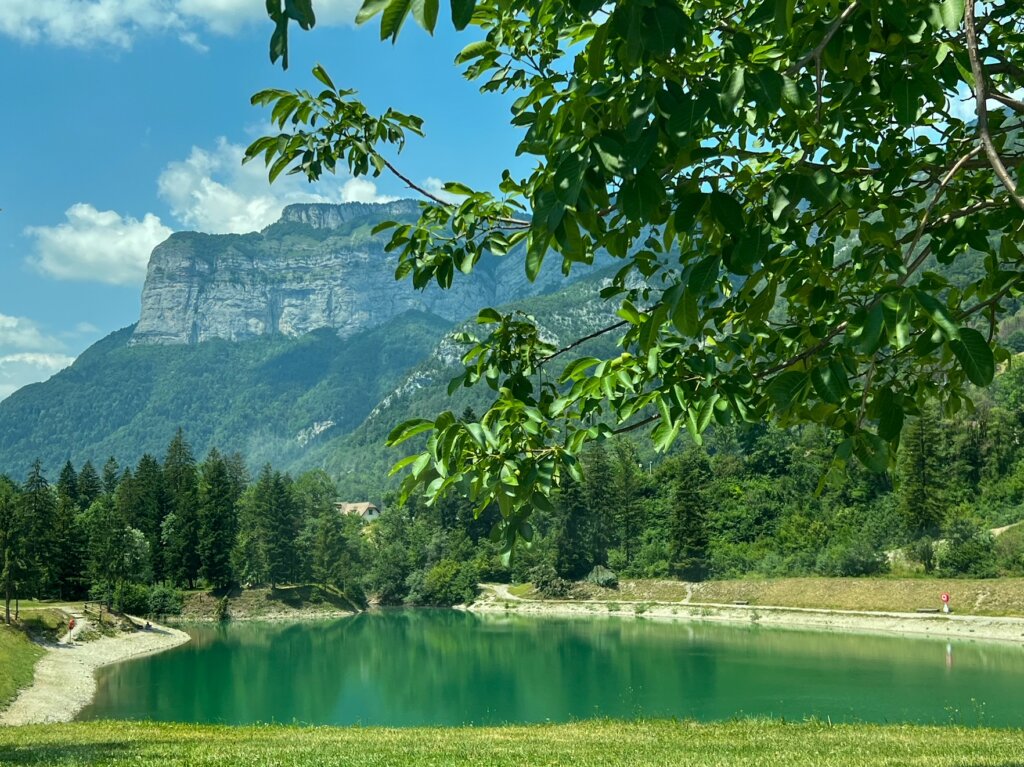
point(18, 657)
point(281, 603)
point(994, 597)
point(582, 744)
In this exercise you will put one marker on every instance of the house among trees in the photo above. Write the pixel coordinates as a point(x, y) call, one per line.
point(365, 511)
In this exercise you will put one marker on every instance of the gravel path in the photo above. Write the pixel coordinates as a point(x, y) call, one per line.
point(65, 681)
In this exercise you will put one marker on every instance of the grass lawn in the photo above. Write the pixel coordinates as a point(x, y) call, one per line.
point(996, 596)
point(18, 658)
point(584, 744)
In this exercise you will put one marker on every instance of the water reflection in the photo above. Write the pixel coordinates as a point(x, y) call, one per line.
point(418, 667)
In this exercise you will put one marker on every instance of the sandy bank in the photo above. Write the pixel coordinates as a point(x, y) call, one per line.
point(942, 626)
point(64, 681)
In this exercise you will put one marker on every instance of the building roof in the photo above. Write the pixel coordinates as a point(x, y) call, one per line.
point(360, 509)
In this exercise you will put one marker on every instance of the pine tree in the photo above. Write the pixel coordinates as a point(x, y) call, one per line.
point(111, 475)
point(39, 509)
point(147, 514)
point(249, 553)
point(89, 486)
point(67, 484)
point(687, 524)
point(217, 521)
point(282, 526)
point(69, 543)
point(575, 532)
point(628, 492)
point(108, 540)
point(180, 531)
point(921, 488)
point(13, 545)
point(329, 551)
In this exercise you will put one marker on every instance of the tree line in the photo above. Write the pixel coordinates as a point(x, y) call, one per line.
point(754, 499)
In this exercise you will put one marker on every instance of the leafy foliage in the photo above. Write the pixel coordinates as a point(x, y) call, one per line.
point(775, 178)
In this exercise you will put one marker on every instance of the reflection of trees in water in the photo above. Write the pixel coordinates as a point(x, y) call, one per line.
point(448, 667)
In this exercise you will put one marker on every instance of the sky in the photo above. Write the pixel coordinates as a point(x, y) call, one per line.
point(126, 120)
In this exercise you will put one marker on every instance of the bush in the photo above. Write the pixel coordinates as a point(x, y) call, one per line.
point(545, 579)
point(164, 600)
point(131, 598)
point(851, 559)
point(1009, 551)
point(445, 584)
point(922, 551)
point(602, 576)
point(969, 549)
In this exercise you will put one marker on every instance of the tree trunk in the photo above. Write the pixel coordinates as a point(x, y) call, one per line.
point(7, 604)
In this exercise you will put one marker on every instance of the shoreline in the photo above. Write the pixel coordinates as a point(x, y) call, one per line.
point(940, 626)
point(65, 678)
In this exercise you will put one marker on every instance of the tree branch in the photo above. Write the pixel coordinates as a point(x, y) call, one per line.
point(815, 55)
point(581, 341)
point(981, 97)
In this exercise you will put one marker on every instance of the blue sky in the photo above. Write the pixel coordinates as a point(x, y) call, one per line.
point(125, 120)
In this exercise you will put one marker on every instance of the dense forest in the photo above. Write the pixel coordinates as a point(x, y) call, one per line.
point(754, 499)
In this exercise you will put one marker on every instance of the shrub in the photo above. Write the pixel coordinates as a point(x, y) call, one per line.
point(164, 600)
point(445, 584)
point(602, 576)
point(545, 579)
point(1009, 551)
point(969, 549)
point(851, 559)
point(132, 598)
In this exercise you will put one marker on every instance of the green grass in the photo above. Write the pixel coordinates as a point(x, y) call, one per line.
point(18, 656)
point(583, 744)
point(996, 596)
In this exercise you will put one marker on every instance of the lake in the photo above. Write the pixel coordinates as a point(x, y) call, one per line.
point(444, 667)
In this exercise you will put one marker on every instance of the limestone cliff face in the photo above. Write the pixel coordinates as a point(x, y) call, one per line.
point(318, 267)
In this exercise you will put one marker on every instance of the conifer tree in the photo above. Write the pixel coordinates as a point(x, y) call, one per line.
point(111, 476)
point(329, 551)
point(39, 508)
point(180, 531)
point(282, 526)
point(13, 535)
point(249, 553)
point(67, 484)
point(687, 533)
point(921, 484)
point(90, 487)
point(147, 514)
point(70, 543)
point(216, 521)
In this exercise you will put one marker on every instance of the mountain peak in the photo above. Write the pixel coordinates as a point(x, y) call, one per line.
point(320, 215)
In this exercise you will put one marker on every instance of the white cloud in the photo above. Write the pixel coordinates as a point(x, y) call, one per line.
point(17, 370)
point(88, 23)
point(97, 245)
point(435, 186)
point(22, 333)
point(211, 191)
point(362, 190)
point(27, 354)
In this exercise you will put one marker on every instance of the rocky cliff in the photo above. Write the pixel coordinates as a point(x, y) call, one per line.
point(318, 267)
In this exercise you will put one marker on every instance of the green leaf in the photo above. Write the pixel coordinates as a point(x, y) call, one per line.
point(890, 415)
point(751, 247)
point(786, 387)
point(939, 314)
point(642, 195)
point(393, 17)
point(425, 13)
point(321, 74)
point(686, 316)
point(870, 336)
point(784, 16)
point(829, 386)
point(704, 275)
point(975, 356)
point(952, 12)
point(407, 430)
point(872, 450)
point(369, 9)
point(462, 13)
point(727, 212)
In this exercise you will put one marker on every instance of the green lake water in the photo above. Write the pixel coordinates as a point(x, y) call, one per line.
point(427, 667)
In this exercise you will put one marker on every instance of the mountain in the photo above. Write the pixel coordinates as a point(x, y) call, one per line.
point(318, 267)
point(294, 345)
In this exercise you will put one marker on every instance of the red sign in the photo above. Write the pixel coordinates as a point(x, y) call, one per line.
point(945, 597)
